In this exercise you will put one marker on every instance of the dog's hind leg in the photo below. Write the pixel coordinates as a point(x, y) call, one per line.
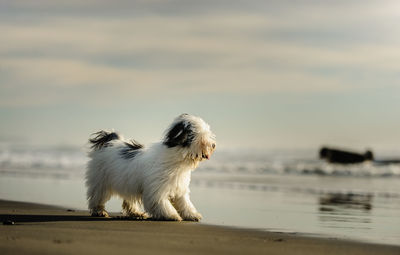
point(97, 197)
point(133, 208)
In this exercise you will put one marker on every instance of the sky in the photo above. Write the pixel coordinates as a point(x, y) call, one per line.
point(264, 74)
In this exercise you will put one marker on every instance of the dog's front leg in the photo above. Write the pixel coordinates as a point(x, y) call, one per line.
point(160, 208)
point(186, 208)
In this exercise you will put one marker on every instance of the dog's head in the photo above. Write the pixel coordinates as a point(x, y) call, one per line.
point(192, 136)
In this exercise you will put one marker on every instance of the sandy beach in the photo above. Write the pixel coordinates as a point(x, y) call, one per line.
point(42, 229)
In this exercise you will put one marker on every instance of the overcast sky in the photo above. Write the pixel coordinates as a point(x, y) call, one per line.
point(264, 74)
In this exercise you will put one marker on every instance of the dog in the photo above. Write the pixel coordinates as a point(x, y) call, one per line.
point(152, 181)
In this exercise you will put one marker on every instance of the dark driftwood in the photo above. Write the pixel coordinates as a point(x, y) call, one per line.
point(344, 157)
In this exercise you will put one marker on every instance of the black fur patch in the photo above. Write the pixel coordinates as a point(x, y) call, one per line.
point(102, 139)
point(179, 135)
point(130, 150)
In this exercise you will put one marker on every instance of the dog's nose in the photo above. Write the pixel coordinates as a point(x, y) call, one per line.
point(205, 156)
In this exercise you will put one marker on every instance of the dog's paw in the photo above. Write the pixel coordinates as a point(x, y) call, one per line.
point(138, 215)
point(100, 213)
point(193, 217)
point(168, 218)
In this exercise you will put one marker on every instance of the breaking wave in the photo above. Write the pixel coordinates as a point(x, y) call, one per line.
point(57, 162)
point(66, 162)
point(299, 163)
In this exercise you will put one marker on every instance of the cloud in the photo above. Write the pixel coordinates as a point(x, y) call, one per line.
point(310, 48)
point(259, 69)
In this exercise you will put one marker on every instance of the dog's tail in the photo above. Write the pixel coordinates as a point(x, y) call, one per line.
point(102, 138)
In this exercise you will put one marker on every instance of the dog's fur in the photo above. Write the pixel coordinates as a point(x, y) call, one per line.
point(153, 181)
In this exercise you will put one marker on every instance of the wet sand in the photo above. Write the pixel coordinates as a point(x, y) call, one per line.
point(41, 229)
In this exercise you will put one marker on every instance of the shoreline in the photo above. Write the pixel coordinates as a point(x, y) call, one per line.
point(46, 229)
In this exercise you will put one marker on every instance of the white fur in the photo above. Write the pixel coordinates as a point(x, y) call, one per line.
point(155, 182)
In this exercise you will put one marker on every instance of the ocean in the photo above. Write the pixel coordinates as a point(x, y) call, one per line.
point(274, 190)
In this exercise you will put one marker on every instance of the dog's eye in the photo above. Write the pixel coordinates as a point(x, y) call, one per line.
point(213, 145)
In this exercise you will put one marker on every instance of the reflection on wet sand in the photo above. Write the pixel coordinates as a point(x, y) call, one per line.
point(345, 210)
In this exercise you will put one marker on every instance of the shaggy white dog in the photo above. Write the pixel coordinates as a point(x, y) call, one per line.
point(153, 181)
